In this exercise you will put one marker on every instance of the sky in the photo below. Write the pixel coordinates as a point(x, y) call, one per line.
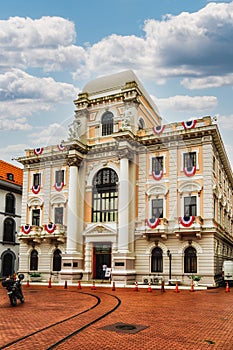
point(180, 50)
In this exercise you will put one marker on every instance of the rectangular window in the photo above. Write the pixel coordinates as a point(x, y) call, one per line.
point(59, 176)
point(190, 160)
point(105, 206)
point(36, 217)
point(220, 177)
point(190, 206)
point(214, 164)
point(157, 164)
point(58, 215)
point(220, 214)
point(157, 208)
point(36, 179)
point(215, 208)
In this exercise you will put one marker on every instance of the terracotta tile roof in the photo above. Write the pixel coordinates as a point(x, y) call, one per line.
point(6, 169)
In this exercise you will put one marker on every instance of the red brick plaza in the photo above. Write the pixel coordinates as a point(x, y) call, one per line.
point(202, 319)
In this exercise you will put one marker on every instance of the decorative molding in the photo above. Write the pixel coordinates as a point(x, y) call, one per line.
point(35, 202)
point(73, 161)
point(125, 153)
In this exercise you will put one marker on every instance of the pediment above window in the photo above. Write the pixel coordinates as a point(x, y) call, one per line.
point(35, 202)
point(190, 186)
point(58, 199)
point(100, 229)
point(157, 190)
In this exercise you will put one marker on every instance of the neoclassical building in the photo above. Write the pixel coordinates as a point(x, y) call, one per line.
point(147, 199)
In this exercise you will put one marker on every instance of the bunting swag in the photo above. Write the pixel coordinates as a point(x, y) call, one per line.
point(36, 189)
point(153, 223)
point(61, 147)
point(190, 171)
point(26, 229)
point(158, 129)
point(189, 124)
point(186, 221)
point(59, 186)
point(38, 151)
point(50, 228)
point(157, 175)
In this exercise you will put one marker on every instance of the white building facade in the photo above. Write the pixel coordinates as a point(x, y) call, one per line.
point(126, 191)
point(10, 217)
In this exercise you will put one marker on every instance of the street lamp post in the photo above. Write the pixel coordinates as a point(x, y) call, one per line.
point(170, 263)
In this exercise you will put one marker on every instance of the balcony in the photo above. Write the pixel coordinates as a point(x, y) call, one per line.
point(156, 228)
point(189, 226)
point(38, 234)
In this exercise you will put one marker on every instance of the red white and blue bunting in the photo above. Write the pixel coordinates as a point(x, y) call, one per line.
point(158, 129)
point(157, 175)
point(153, 223)
point(50, 228)
point(190, 171)
point(61, 147)
point(186, 221)
point(59, 186)
point(190, 124)
point(38, 151)
point(26, 229)
point(36, 189)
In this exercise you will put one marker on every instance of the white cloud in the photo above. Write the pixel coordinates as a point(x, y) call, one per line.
point(226, 122)
point(191, 45)
point(17, 124)
point(10, 152)
point(31, 94)
point(51, 135)
point(191, 104)
point(208, 82)
point(47, 42)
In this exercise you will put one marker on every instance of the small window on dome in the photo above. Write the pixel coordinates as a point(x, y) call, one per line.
point(10, 176)
point(141, 124)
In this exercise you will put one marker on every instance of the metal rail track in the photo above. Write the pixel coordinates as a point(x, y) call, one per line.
point(74, 325)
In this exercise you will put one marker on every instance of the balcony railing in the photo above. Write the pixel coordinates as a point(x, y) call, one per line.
point(158, 227)
point(37, 234)
point(187, 226)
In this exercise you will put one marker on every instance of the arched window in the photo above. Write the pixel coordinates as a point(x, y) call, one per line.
point(9, 230)
point(34, 260)
point(57, 260)
point(10, 203)
point(157, 260)
point(190, 260)
point(8, 262)
point(107, 123)
point(105, 196)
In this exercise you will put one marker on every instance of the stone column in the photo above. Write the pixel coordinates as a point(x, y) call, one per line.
point(123, 229)
point(72, 228)
point(123, 258)
point(72, 259)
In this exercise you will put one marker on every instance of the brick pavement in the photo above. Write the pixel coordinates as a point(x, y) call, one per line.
point(170, 320)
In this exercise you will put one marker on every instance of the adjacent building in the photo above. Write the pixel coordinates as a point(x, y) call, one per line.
point(11, 182)
point(145, 199)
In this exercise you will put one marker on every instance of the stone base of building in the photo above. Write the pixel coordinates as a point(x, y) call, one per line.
point(71, 267)
point(126, 278)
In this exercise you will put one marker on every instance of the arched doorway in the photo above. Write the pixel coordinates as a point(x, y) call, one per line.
point(8, 263)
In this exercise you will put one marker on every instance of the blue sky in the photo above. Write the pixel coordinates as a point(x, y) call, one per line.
point(181, 50)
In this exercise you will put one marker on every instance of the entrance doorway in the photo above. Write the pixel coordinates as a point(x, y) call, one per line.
point(101, 256)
